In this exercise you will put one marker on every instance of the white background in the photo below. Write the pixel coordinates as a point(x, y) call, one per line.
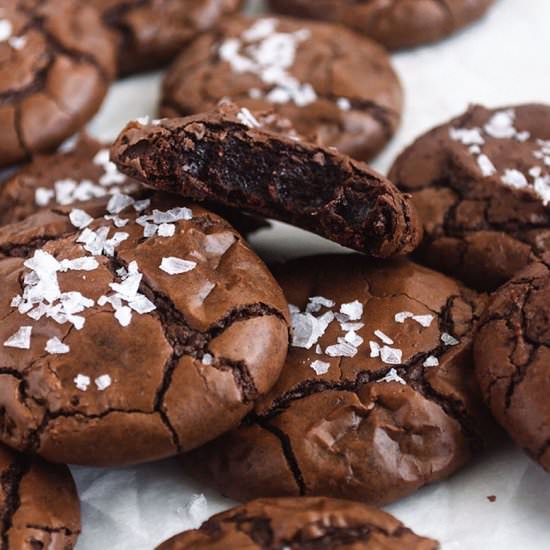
point(502, 60)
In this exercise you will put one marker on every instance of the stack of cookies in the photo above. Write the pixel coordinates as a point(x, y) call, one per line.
point(138, 323)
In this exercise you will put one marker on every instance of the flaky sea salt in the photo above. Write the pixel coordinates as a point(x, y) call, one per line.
point(384, 337)
point(207, 359)
point(176, 266)
point(486, 166)
point(514, 178)
point(402, 316)
point(501, 125)
point(354, 310)
point(320, 367)
point(315, 303)
point(119, 202)
point(55, 346)
point(43, 196)
point(341, 349)
point(81, 382)
point(391, 356)
point(21, 339)
point(248, 119)
point(308, 329)
point(103, 382)
point(124, 316)
point(353, 338)
point(166, 230)
point(392, 376)
point(431, 361)
point(449, 340)
point(79, 218)
point(374, 349)
point(467, 136)
point(424, 320)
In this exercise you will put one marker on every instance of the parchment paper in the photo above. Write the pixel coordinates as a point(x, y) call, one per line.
point(502, 60)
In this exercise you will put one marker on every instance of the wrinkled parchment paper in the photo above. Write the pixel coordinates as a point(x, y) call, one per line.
point(501, 60)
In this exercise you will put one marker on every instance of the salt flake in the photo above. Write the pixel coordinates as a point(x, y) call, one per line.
point(56, 347)
point(21, 339)
point(176, 266)
point(320, 367)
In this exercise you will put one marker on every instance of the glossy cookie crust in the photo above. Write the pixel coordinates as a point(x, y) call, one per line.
point(55, 69)
point(377, 397)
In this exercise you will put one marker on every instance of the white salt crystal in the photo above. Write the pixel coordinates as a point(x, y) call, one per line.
point(384, 337)
point(103, 382)
point(392, 376)
point(176, 266)
point(79, 218)
point(449, 340)
point(21, 339)
point(56, 347)
point(431, 361)
point(391, 356)
point(354, 310)
point(320, 367)
point(82, 382)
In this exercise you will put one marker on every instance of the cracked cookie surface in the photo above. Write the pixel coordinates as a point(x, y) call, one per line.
point(395, 23)
point(377, 397)
point(481, 184)
point(56, 63)
point(151, 32)
point(39, 506)
point(336, 87)
point(228, 158)
point(512, 356)
point(301, 524)
point(138, 337)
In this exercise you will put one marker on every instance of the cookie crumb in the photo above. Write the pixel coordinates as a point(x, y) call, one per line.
point(492, 498)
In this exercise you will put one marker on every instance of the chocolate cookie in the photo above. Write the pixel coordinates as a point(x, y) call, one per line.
point(39, 507)
point(152, 32)
point(377, 397)
point(56, 63)
point(338, 88)
point(512, 355)
point(228, 158)
point(397, 24)
point(481, 183)
point(301, 523)
point(138, 337)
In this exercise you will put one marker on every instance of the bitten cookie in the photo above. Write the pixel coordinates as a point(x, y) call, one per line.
point(301, 523)
point(228, 158)
point(396, 24)
point(56, 63)
point(39, 507)
point(336, 87)
point(377, 397)
point(152, 32)
point(481, 184)
point(512, 354)
point(138, 337)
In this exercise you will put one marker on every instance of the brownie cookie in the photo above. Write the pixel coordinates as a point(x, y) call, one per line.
point(138, 337)
point(481, 184)
point(512, 355)
point(301, 523)
point(377, 397)
point(396, 24)
point(338, 88)
point(227, 157)
point(56, 63)
point(152, 32)
point(39, 507)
